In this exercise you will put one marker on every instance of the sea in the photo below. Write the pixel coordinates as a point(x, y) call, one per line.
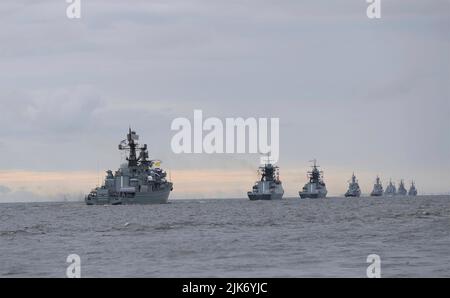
point(229, 238)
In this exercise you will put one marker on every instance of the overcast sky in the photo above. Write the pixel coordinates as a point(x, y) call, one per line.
point(370, 96)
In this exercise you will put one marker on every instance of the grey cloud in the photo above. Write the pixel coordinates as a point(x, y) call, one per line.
point(49, 112)
point(28, 196)
point(368, 89)
point(4, 189)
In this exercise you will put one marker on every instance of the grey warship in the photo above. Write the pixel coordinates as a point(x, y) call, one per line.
point(353, 188)
point(412, 190)
point(139, 181)
point(377, 188)
point(316, 187)
point(269, 187)
point(391, 190)
point(401, 189)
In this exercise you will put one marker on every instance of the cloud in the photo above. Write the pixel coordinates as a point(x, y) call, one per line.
point(50, 112)
point(4, 189)
point(27, 196)
point(367, 95)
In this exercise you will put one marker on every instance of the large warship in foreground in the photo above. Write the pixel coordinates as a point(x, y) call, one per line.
point(353, 188)
point(390, 189)
point(412, 190)
point(269, 187)
point(139, 181)
point(401, 189)
point(316, 187)
point(377, 188)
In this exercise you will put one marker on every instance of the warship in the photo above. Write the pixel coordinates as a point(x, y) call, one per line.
point(269, 187)
point(412, 190)
point(316, 187)
point(377, 188)
point(353, 188)
point(401, 189)
point(390, 189)
point(139, 181)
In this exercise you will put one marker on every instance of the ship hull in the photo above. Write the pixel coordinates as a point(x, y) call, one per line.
point(264, 197)
point(390, 194)
point(376, 195)
point(311, 195)
point(156, 197)
point(313, 191)
point(352, 195)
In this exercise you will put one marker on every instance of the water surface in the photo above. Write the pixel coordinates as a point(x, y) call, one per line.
point(229, 238)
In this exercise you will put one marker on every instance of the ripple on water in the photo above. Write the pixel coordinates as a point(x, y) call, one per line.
point(225, 238)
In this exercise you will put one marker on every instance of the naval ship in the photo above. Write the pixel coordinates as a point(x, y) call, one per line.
point(390, 189)
point(412, 190)
point(377, 188)
point(401, 189)
point(269, 187)
point(316, 187)
point(139, 181)
point(353, 188)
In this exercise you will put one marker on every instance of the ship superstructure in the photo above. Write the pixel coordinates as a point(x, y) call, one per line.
point(353, 188)
point(391, 190)
point(316, 187)
point(139, 181)
point(412, 190)
point(377, 188)
point(401, 189)
point(269, 186)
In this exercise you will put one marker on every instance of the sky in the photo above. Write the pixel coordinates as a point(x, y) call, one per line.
point(369, 96)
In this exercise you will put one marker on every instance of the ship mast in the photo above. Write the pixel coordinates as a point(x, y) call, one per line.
point(268, 171)
point(131, 144)
point(353, 178)
point(314, 175)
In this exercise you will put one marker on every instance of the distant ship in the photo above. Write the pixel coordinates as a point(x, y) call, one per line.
point(401, 189)
point(316, 187)
point(390, 189)
point(139, 181)
point(353, 188)
point(377, 188)
point(269, 187)
point(412, 190)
